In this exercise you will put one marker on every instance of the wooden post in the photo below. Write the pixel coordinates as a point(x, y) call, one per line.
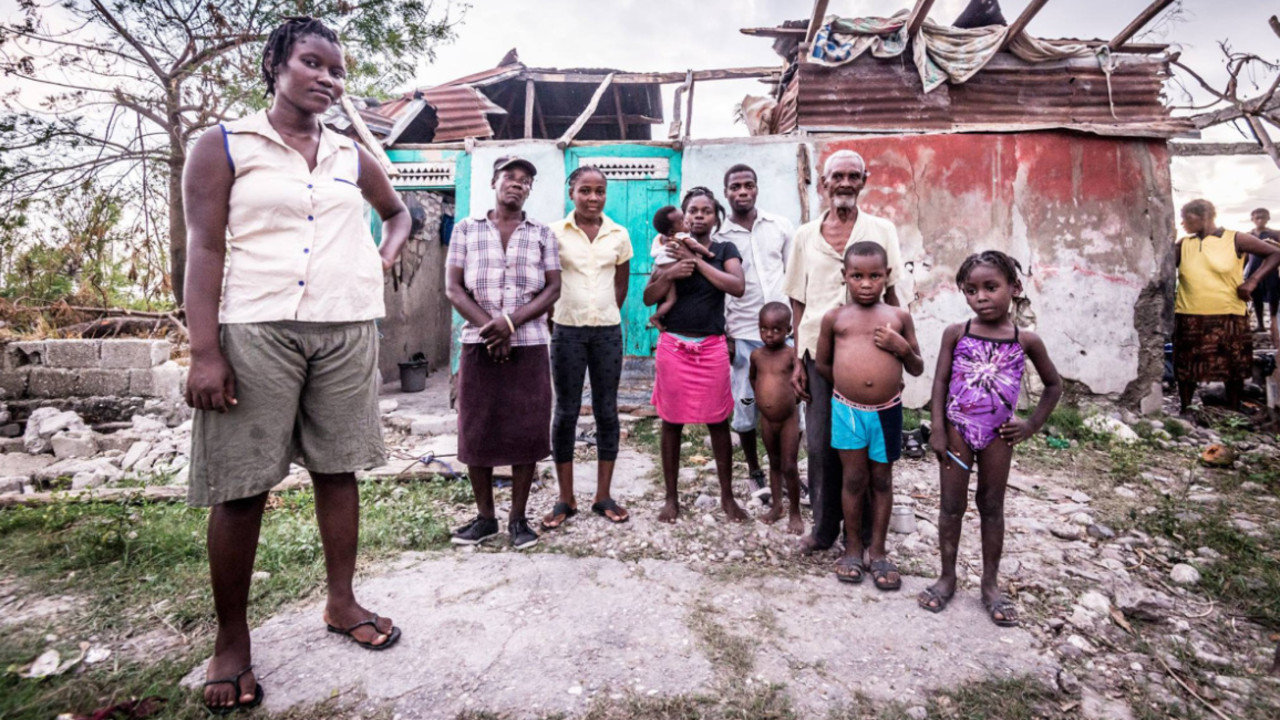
point(688, 110)
point(542, 118)
point(529, 99)
point(916, 20)
point(677, 127)
point(371, 143)
point(1019, 26)
point(1139, 22)
point(815, 19)
point(617, 106)
point(569, 134)
point(804, 177)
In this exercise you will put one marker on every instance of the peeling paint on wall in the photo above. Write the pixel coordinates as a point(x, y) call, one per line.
point(1090, 219)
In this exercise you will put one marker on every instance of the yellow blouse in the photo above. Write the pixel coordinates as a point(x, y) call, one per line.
point(1209, 272)
point(587, 271)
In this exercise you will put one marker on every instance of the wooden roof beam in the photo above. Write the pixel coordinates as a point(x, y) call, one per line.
point(815, 19)
point(1139, 22)
point(915, 21)
point(1019, 26)
point(572, 132)
point(659, 78)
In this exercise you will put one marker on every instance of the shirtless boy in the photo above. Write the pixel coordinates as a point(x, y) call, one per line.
point(771, 369)
point(862, 350)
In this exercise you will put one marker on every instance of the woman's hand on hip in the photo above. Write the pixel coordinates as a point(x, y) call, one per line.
point(211, 384)
point(1245, 291)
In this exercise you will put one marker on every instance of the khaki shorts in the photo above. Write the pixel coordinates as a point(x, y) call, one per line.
point(305, 392)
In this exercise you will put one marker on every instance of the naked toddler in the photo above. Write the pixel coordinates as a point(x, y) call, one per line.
point(771, 368)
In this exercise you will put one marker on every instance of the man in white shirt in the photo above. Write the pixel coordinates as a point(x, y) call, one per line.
point(815, 284)
point(764, 240)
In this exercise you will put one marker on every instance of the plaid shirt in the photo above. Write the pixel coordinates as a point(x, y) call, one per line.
point(502, 282)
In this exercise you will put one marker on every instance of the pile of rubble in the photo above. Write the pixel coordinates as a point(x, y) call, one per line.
point(58, 446)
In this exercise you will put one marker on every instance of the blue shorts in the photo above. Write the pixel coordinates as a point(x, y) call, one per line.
point(877, 429)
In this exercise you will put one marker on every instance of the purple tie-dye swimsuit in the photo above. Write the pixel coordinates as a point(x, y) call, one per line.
point(985, 378)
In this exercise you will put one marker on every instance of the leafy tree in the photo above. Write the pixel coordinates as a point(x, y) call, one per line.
point(111, 89)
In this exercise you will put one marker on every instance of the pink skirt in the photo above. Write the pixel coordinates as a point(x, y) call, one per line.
point(691, 386)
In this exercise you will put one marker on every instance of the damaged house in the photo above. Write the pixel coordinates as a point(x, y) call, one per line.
point(977, 136)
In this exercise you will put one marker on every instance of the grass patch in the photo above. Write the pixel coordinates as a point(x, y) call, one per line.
point(1127, 461)
point(141, 564)
point(1066, 422)
point(911, 419)
point(1013, 699)
point(1247, 578)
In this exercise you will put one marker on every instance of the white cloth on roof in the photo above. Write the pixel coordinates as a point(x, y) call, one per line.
point(942, 53)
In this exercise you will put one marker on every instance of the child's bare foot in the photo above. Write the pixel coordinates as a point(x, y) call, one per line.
point(773, 516)
point(733, 511)
point(670, 511)
point(809, 545)
point(795, 525)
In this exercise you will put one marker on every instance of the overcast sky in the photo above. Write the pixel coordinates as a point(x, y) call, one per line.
point(653, 35)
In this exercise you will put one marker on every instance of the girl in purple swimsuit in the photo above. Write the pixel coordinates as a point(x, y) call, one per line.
point(975, 394)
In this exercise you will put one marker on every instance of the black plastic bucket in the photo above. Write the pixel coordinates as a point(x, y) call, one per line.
point(413, 374)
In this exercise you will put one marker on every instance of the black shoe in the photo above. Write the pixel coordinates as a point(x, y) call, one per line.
point(522, 536)
point(758, 487)
point(476, 531)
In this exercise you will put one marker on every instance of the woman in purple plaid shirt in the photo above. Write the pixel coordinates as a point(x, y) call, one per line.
point(503, 278)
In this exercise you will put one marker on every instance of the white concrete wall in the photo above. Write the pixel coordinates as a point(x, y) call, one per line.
point(546, 199)
point(775, 165)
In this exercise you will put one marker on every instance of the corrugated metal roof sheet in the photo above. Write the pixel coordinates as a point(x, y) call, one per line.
point(873, 95)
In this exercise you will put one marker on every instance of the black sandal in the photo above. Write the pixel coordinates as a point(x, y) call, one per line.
point(234, 681)
point(603, 507)
point(1005, 608)
point(854, 570)
point(392, 637)
point(561, 508)
point(930, 595)
point(880, 570)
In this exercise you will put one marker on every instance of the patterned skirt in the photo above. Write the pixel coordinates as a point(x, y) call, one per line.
point(1212, 348)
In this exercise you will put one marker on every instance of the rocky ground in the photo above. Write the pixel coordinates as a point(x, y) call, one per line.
point(1128, 608)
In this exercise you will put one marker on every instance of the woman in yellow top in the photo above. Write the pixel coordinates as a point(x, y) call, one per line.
point(595, 263)
point(1211, 336)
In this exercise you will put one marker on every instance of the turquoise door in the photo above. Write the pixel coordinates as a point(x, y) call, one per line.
point(641, 180)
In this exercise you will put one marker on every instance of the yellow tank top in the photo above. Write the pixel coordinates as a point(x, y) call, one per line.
point(1209, 271)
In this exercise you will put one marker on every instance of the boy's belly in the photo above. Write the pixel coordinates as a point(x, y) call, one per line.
point(866, 374)
point(775, 399)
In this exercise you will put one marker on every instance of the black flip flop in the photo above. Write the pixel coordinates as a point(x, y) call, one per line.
point(849, 562)
point(392, 637)
point(1005, 608)
point(234, 681)
point(561, 508)
point(880, 569)
point(604, 506)
point(928, 595)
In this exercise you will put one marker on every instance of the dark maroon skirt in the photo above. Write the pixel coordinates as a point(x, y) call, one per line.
point(504, 409)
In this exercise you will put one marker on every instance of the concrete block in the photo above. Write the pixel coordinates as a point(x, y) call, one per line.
point(14, 383)
point(12, 484)
point(136, 452)
point(74, 445)
point(11, 445)
point(134, 353)
point(168, 381)
point(72, 353)
point(11, 430)
point(22, 354)
point(99, 383)
point(120, 441)
point(47, 382)
point(1154, 401)
point(434, 425)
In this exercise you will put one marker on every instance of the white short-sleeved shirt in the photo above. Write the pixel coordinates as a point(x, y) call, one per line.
point(298, 244)
point(766, 249)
